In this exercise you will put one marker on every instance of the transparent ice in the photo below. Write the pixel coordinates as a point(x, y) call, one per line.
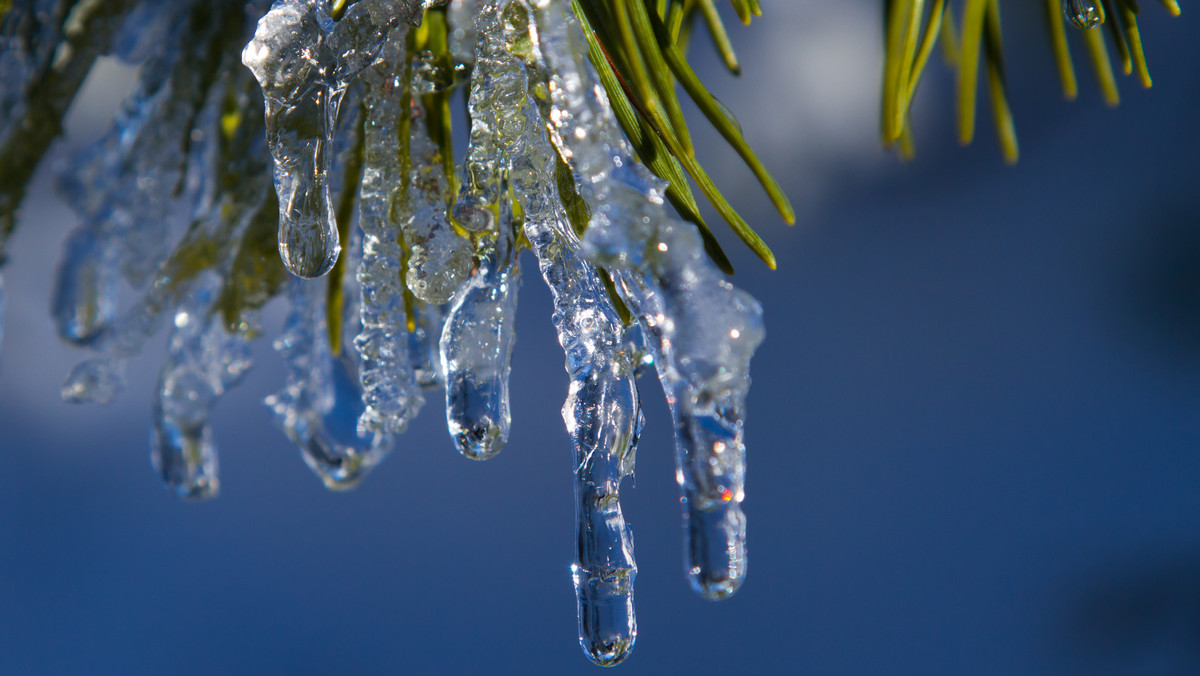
point(223, 210)
point(321, 403)
point(203, 360)
point(391, 395)
point(304, 60)
point(602, 411)
point(439, 258)
point(701, 329)
point(1083, 13)
point(476, 349)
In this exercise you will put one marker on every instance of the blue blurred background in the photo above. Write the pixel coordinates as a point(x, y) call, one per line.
point(973, 433)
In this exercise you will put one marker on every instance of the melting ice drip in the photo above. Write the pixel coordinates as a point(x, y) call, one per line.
point(424, 281)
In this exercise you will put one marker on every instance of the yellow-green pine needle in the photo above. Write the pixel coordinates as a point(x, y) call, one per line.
point(660, 73)
point(1172, 7)
point(951, 53)
point(1006, 132)
point(1128, 19)
point(1102, 66)
point(893, 74)
point(968, 70)
point(650, 148)
point(675, 22)
point(1118, 38)
point(933, 27)
point(693, 168)
point(728, 128)
point(742, 10)
point(908, 52)
point(719, 36)
point(1062, 53)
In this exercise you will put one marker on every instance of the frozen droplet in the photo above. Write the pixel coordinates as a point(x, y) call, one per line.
point(203, 360)
point(1083, 13)
point(476, 353)
point(321, 403)
point(94, 381)
point(85, 289)
point(303, 60)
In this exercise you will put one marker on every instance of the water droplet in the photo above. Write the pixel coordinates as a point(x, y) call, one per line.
point(1084, 13)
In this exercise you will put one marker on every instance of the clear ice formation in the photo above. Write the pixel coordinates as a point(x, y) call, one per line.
point(1083, 13)
point(304, 60)
point(423, 345)
point(414, 303)
point(494, 98)
point(702, 330)
point(476, 349)
point(602, 412)
point(439, 258)
point(320, 405)
point(203, 360)
point(127, 182)
point(391, 395)
point(224, 208)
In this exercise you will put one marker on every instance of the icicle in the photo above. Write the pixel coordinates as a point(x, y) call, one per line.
point(321, 403)
point(476, 350)
point(460, 15)
point(423, 345)
point(493, 104)
point(440, 258)
point(225, 208)
point(703, 331)
point(602, 411)
point(303, 60)
point(85, 289)
point(390, 394)
point(603, 416)
point(121, 187)
point(203, 361)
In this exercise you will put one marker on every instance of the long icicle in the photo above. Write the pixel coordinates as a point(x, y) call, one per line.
point(602, 411)
point(702, 330)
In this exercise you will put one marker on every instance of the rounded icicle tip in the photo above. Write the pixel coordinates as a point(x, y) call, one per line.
point(1084, 14)
point(307, 261)
point(479, 439)
point(716, 549)
point(607, 653)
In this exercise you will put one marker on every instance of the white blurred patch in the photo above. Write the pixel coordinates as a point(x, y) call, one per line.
point(808, 98)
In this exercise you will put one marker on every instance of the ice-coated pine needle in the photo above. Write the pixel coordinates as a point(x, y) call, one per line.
point(203, 360)
point(602, 412)
point(703, 330)
point(304, 60)
point(390, 393)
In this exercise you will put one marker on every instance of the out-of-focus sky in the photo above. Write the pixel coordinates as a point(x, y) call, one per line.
point(973, 433)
